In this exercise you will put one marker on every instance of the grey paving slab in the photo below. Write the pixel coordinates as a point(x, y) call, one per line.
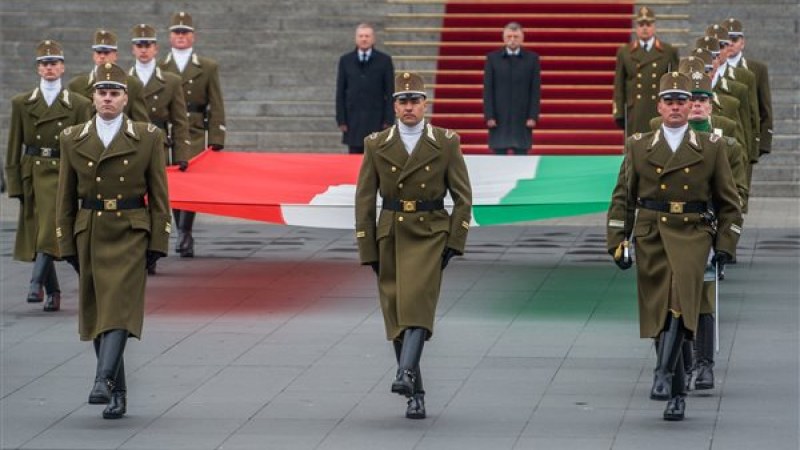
point(272, 338)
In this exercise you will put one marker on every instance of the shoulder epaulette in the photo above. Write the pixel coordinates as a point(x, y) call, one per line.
point(637, 136)
point(151, 128)
point(713, 137)
point(449, 134)
point(372, 136)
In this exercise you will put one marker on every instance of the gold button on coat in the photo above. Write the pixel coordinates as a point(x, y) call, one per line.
point(663, 219)
point(663, 187)
point(400, 219)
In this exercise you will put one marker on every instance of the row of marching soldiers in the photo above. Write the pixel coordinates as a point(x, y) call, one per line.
point(683, 187)
point(86, 160)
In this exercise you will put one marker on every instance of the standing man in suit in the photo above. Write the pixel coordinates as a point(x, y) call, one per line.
point(364, 89)
point(640, 64)
point(511, 94)
point(112, 219)
point(163, 95)
point(37, 118)
point(204, 106)
point(412, 165)
point(104, 50)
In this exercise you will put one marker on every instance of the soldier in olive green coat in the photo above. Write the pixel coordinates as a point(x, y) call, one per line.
point(669, 177)
point(205, 107)
point(104, 50)
point(32, 163)
point(638, 68)
point(412, 165)
point(113, 221)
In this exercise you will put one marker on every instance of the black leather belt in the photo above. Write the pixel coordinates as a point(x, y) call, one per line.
point(160, 124)
point(196, 108)
point(410, 206)
point(112, 204)
point(45, 152)
point(673, 207)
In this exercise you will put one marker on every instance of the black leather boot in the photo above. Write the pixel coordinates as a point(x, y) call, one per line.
point(687, 359)
point(40, 266)
point(669, 350)
point(413, 340)
point(676, 406)
point(118, 405)
point(176, 214)
point(187, 241)
point(705, 353)
point(52, 288)
point(416, 404)
point(109, 355)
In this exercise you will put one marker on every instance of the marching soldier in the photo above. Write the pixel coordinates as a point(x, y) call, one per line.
point(205, 109)
point(32, 164)
point(412, 165)
point(163, 95)
point(667, 180)
point(112, 201)
point(639, 66)
point(104, 49)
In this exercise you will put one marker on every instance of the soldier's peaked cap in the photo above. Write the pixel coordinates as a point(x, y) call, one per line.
point(645, 14)
point(143, 33)
point(735, 27)
point(675, 85)
point(110, 76)
point(181, 20)
point(104, 40)
point(409, 85)
point(49, 50)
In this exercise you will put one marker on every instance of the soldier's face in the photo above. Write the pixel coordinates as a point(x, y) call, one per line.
point(144, 52)
point(109, 103)
point(410, 111)
point(103, 56)
point(645, 30)
point(700, 107)
point(50, 70)
point(181, 39)
point(737, 45)
point(513, 38)
point(674, 112)
point(365, 38)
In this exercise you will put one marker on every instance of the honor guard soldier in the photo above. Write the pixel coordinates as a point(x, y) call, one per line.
point(112, 202)
point(204, 105)
point(32, 162)
point(412, 165)
point(163, 95)
point(667, 181)
point(104, 49)
point(638, 68)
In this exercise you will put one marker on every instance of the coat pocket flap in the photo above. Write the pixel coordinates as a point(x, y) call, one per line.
point(641, 229)
point(81, 222)
point(139, 223)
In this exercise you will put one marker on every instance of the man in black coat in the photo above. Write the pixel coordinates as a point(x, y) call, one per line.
point(511, 94)
point(364, 88)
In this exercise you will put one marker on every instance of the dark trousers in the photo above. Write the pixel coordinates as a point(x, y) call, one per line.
point(514, 151)
point(353, 150)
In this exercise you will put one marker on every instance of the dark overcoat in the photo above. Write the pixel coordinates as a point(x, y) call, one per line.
point(511, 96)
point(364, 95)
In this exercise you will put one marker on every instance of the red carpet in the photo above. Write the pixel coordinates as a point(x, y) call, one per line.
point(576, 41)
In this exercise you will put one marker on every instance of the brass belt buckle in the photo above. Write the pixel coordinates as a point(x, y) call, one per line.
point(409, 206)
point(47, 152)
point(110, 205)
point(676, 207)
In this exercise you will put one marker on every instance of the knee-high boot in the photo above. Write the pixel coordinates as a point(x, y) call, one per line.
point(705, 352)
point(40, 266)
point(176, 214)
point(416, 404)
point(52, 288)
point(687, 362)
point(413, 341)
point(676, 406)
point(669, 350)
point(109, 356)
point(187, 241)
point(118, 405)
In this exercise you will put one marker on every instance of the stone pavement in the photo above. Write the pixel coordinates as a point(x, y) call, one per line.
point(272, 339)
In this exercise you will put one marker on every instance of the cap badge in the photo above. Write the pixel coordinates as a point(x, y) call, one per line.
point(108, 65)
point(697, 76)
point(674, 74)
point(406, 75)
point(645, 10)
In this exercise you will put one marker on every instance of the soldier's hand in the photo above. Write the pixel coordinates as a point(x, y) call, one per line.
point(72, 260)
point(182, 165)
point(343, 127)
point(620, 121)
point(722, 258)
point(622, 260)
point(447, 254)
point(376, 267)
point(491, 123)
point(151, 258)
point(216, 147)
point(530, 123)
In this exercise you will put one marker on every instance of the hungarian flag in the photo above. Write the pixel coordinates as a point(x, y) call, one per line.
point(318, 190)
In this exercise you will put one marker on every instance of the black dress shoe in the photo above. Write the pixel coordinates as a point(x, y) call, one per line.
point(117, 407)
point(36, 293)
point(676, 409)
point(404, 383)
point(53, 302)
point(705, 377)
point(101, 392)
point(416, 406)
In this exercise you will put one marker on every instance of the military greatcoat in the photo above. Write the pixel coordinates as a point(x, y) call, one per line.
point(203, 95)
point(163, 96)
point(409, 245)
point(759, 69)
point(34, 178)
point(111, 245)
point(672, 248)
point(135, 109)
point(636, 82)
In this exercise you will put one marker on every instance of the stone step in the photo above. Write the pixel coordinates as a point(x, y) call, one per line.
point(775, 189)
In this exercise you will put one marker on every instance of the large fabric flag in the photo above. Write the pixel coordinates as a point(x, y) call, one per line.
point(318, 190)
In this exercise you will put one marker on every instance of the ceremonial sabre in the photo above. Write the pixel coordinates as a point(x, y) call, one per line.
point(716, 307)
